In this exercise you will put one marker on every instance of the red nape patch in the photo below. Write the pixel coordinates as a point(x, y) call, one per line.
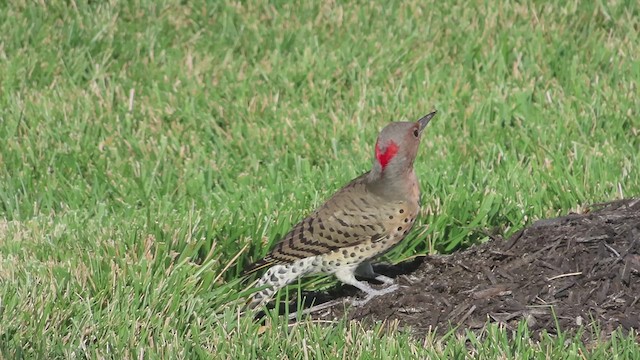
point(387, 155)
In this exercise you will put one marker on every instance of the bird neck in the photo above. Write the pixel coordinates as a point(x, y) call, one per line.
point(393, 184)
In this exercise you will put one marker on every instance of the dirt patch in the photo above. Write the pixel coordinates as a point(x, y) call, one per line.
point(572, 271)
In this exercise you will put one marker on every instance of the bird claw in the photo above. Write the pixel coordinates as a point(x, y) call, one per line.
point(385, 279)
point(375, 293)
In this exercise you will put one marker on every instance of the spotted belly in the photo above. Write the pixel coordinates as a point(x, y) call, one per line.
point(354, 255)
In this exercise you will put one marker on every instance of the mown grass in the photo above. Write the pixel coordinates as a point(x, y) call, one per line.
point(151, 149)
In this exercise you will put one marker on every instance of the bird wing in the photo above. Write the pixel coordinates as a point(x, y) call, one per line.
point(350, 217)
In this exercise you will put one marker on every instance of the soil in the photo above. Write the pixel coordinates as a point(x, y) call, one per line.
point(571, 272)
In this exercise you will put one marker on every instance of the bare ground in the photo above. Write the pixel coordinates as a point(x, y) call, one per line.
point(572, 271)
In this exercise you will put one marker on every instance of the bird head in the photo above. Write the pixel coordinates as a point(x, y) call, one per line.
point(397, 145)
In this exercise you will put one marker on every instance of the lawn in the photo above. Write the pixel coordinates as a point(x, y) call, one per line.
point(149, 150)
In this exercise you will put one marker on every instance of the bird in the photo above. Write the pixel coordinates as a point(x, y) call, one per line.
point(361, 221)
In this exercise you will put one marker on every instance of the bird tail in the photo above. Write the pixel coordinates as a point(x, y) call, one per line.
point(262, 296)
point(257, 266)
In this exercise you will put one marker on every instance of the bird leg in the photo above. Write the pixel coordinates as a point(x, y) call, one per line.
point(365, 270)
point(346, 275)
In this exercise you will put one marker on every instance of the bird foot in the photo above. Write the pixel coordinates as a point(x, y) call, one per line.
point(374, 293)
point(384, 279)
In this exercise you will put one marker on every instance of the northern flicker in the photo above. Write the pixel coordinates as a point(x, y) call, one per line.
point(364, 219)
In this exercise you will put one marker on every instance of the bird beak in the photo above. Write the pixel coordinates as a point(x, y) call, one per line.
point(425, 120)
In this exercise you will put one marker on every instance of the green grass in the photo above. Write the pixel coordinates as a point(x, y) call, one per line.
point(146, 147)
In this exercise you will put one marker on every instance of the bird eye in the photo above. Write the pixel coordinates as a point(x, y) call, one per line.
point(416, 133)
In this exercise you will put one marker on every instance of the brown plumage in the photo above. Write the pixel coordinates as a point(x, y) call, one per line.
point(364, 219)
